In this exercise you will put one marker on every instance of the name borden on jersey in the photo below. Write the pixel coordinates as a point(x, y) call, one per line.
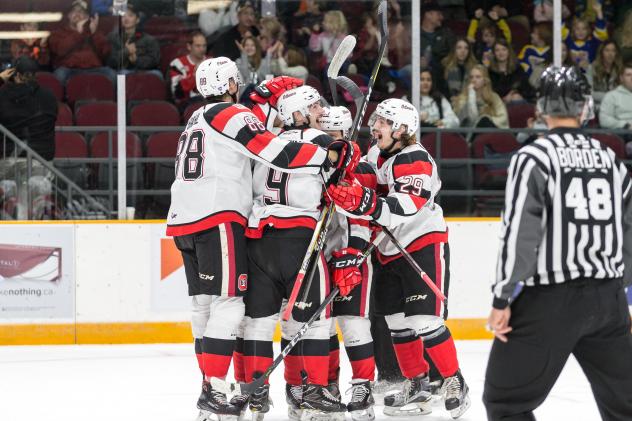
point(583, 158)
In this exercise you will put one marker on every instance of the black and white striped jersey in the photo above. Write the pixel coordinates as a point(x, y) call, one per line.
point(568, 215)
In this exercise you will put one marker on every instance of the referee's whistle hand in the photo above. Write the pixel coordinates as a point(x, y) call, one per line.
point(498, 323)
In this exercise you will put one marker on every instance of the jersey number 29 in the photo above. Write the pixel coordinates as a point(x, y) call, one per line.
point(190, 155)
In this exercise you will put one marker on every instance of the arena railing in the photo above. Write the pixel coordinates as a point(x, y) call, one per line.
point(472, 182)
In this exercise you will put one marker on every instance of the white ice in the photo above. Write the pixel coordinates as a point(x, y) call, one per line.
point(162, 383)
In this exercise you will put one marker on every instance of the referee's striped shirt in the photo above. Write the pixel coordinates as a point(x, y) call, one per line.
point(568, 215)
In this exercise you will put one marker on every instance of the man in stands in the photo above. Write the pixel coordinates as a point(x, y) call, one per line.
point(247, 25)
point(616, 108)
point(182, 71)
point(79, 47)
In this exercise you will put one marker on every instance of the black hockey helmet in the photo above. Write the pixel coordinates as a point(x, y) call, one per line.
point(565, 92)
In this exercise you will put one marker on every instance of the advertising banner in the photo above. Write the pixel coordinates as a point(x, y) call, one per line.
point(169, 290)
point(37, 271)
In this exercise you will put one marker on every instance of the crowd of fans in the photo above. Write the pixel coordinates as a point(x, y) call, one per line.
point(479, 58)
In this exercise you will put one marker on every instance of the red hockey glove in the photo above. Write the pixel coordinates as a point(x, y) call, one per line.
point(269, 91)
point(356, 199)
point(348, 158)
point(345, 270)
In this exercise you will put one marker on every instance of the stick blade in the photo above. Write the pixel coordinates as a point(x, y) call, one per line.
point(382, 18)
point(350, 86)
point(344, 50)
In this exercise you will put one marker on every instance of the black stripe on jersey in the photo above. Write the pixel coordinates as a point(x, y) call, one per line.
point(364, 168)
point(245, 135)
point(285, 157)
point(322, 140)
point(213, 111)
point(410, 157)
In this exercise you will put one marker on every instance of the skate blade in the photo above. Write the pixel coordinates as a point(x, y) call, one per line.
point(363, 415)
point(294, 414)
point(211, 416)
point(408, 410)
point(313, 415)
point(457, 412)
point(257, 416)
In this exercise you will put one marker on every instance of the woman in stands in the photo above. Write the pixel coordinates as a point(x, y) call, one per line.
point(434, 110)
point(457, 66)
point(508, 79)
point(603, 73)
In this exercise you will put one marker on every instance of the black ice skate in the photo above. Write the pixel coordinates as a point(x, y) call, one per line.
point(260, 402)
point(214, 405)
point(241, 402)
point(384, 387)
point(334, 389)
point(293, 397)
point(361, 405)
point(457, 399)
point(320, 405)
point(415, 399)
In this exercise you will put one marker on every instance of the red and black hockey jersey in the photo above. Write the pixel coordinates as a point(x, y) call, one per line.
point(213, 181)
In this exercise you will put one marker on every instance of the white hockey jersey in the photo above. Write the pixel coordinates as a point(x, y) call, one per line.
point(286, 200)
point(213, 182)
point(409, 211)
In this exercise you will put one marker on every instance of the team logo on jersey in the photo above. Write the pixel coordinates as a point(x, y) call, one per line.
point(417, 297)
point(242, 282)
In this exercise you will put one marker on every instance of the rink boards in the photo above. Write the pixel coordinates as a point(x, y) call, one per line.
point(123, 282)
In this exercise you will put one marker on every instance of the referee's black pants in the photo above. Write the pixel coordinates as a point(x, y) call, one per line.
point(587, 318)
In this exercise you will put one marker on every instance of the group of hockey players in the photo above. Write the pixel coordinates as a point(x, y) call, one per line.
point(249, 190)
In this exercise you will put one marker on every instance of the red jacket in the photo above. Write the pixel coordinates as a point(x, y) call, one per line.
point(69, 48)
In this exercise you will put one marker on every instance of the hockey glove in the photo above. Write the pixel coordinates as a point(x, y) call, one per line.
point(356, 199)
point(345, 270)
point(349, 155)
point(269, 91)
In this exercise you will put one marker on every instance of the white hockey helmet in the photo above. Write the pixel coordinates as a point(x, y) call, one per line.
point(213, 75)
point(297, 99)
point(336, 118)
point(399, 112)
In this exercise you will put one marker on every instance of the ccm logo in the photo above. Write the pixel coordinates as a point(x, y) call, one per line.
point(351, 261)
point(242, 282)
point(206, 277)
point(416, 298)
point(340, 298)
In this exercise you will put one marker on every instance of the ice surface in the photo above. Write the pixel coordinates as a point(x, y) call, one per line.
point(162, 383)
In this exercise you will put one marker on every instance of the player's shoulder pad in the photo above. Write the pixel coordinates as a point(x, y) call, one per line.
point(412, 160)
point(225, 110)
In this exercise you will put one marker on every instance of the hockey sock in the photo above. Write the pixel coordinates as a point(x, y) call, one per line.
point(293, 365)
point(198, 354)
point(258, 357)
point(362, 361)
point(440, 347)
point(315, 356)
point(334, 359)
point(356, 332)
point(409, 353)
point(216, 357)
point(238, 360)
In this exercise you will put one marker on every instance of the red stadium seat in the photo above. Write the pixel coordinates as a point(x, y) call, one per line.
point(519, 114)
point(155, 113)
point(612, 141)
point(314, 82)
point(89, 86)
point(453, 145)
point(519, 35)
point(48, 80)
point(370, 108)
point(145, 86)
point(100, 113)
point(488, 146)
point(170, 51)
point(162, 145)
point(99, 145)
point(166, 28)
point(70, 145)
point(64, 115)
point(188, 112)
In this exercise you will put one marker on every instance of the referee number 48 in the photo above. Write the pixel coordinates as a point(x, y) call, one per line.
point(590, 200)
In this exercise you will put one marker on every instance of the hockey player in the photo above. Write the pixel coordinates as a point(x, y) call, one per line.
point(567, 235)
point(415, 316)
point(211, 198)
point(349, 237)
point(284, 214)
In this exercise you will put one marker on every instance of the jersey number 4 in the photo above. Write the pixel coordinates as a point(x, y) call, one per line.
point(190, 155)
point(592, 201)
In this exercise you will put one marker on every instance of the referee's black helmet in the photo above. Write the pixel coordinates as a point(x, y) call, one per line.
point(565, 92)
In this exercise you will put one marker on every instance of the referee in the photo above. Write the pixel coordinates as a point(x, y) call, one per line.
point(567, 238)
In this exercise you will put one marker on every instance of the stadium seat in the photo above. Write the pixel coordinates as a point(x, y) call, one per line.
point(188, 112)
point(71, 145)
point(493, 146)
point(155, 113)
point(165, 28)
point(99, 113)
point(519, 35)
point(314, 82)
point(162, 145)
point(458, 26)
point(89, 86)
point(170, 51)
point(48, 80)
point(519, 114)
point(370, 108)
point(145, 86)
point(64, 115)
point(612, 141)
point(99, 149)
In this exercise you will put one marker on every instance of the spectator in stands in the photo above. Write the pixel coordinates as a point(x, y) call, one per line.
point(36, 48)
point(270, 32)
point(511, 10)
point(508, 79)
point(623, 36)
point(334, 30)
point(478, 105)
point(490, 31)
point(79, 47)
point(225, 44)
point(616, 107)
point(603, 73)
point(253, 65)
point(182, 71)
point(581, 45)
point(535, 57)
point(543, 11)
point(365, 53)
point(137, 51)
point(456, 68)
point(28, 110)
point(434, 109)
point(293, 63)
point(306, 19)
point(214, 19)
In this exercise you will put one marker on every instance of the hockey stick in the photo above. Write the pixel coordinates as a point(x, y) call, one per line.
point(322, 226)
point(342, 53)
point(415, 266)
point(247, 388)
point(357, 120)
